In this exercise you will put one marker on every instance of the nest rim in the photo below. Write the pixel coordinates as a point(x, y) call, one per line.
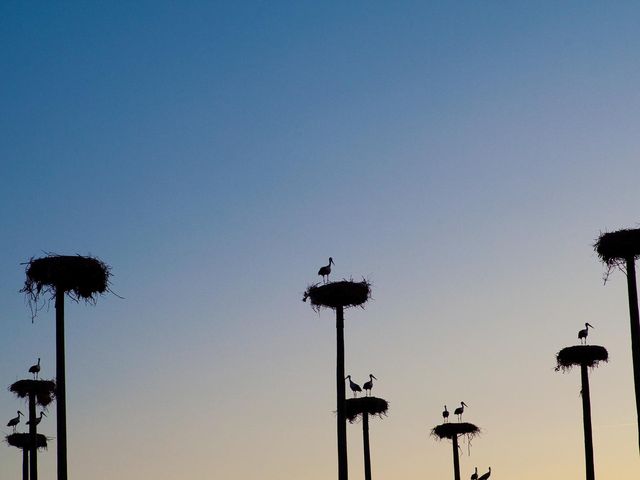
point(342, 293)
point(44, 390)
point(374, 406)
point(23, 441)
point(449, 430)
point(578, 355)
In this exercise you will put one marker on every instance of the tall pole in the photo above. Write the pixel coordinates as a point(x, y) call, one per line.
point(33, 457)
point(61, 401)
point(635, 333)
point(343, 471)
point(365, 442)
point(25, 464)
point(586, 417)
point(456, 458)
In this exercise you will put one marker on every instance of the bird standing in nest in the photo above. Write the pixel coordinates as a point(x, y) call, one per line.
point(445, 414)
point(367, 386)
point(474, 476)
point(35, 369)
point(353, 386)
point(38, 419)
point(582, 334)
point(460, 410)
point(326, 270)
point(485, 475)
point(15, 421)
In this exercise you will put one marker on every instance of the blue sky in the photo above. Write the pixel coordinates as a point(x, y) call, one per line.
point(462, 156)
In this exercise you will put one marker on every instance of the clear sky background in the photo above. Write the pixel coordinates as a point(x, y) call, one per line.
point(463, 156)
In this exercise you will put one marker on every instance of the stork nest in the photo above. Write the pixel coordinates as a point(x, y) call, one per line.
point(346, 293)
point(615, 248)
point(44, 390)
point(371, 405)
point(455, 429)
point(81, 278)
point(23, 441)
point(578, 355)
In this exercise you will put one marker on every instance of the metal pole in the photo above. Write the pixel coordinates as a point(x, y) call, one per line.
point(25, 464)
point(635, 333)
point(33, 457)
point(343, 471)
point(586, 417)
point(61, 400)
point(365, 442)
point(456, 458)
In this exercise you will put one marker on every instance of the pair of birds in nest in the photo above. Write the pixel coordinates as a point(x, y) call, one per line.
point(458, 411)
point(484, 476)
point(16, 420)
point(355, 388)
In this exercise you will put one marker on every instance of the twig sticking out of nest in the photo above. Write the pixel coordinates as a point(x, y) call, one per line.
point(81, 278)
point(455, 429)
point(345, 293)
point(615, 248)
point(578, 355)
point(23, 441)
point(44, 390)
point(371, 405)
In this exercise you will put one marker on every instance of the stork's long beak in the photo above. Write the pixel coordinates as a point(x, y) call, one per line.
point(374, 376)
point(590, 325)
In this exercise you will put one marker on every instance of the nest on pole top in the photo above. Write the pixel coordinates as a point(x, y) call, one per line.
point(80, 277)
point(345, 293)
point(355, 407)
point(23, 441)
point(578, 355)
point(44, 390)
point(454, 429)
point(615, 248)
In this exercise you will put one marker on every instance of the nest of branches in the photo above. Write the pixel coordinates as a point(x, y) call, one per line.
point(578, 355)
point(615, 248)
point(455, 429)
point(371, 405)
point(23, 441)
point(44, 390)
point(81, 278)
point(345, 293)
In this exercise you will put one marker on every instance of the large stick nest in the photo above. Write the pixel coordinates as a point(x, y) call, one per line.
point(345, 293)
point(23, 441)
point(455, 429)
point(615, 248)
point(578, 355)
point(81, 278)
point(371, 405)
point(44, 390)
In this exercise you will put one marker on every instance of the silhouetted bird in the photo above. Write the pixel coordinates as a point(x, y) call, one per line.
point(486, 475)
point(35, 369)
point(38, 419)
point(14, 421)
point(460, 410)
point(582, 334)
point(475, 475)
point(354, 386)
point(445, 414)
point(369, 385)
point(326, 270)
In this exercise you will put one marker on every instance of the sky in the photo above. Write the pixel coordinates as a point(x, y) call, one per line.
point(462, 156)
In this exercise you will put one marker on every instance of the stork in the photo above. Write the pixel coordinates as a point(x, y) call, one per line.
point(14, 421)
point(485, 475)
point(35, 369)
point(582, 334)
point(460, 410)
point(355, 388)
point(369, 385)
point(475, 475)
point(445, 414)
point(38, 419)
point(326, 270)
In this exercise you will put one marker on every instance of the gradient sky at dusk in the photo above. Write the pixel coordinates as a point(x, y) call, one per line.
point(462, 156)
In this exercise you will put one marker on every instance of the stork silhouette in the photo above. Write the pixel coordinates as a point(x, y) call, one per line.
point(582, 334)
point(326, 270)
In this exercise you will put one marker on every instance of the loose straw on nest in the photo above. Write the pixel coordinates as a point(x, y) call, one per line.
point(615, 248)
point(23, 441)
point(81, 278)
point(44, 390)
point(345, 293)
point(453, 429)
point(371, 405)
point(578, 355)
